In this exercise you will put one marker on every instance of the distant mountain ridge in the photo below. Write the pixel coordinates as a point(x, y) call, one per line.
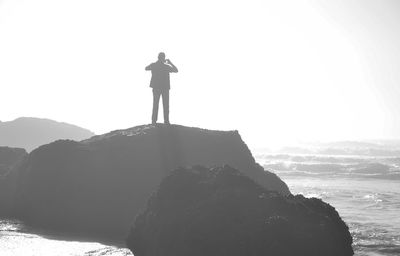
point(30, 132)
point(373, 148)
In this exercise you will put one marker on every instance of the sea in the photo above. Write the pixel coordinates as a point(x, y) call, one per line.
point(364, 189)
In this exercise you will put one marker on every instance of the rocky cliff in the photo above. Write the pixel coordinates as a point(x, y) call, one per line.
point(98, 185)
point(219, 211)
point(9, 159)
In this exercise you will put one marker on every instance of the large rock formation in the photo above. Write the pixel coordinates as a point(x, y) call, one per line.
point(100, 184)
point(219, 211)
point(9, 159)
point(29, 132)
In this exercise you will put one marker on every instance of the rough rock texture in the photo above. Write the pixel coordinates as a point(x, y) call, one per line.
point(9, 159)
point(29, 132)
point(221, 212)
point(100, 184)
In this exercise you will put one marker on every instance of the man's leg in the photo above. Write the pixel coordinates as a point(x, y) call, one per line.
point(156, 100)
point(165, 99)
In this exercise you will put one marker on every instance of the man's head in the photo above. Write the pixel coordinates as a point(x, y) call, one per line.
point(161, 57)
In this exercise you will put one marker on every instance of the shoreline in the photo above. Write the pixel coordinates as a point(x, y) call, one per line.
point(58, 235)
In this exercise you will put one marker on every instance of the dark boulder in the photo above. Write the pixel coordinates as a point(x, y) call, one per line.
point(221, 212)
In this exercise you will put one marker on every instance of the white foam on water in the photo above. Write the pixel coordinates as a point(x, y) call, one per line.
point(14, 242)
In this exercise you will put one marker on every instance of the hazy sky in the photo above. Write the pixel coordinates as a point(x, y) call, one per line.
point(277, 71)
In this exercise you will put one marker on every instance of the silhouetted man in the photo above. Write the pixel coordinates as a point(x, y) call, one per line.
point(160, 83)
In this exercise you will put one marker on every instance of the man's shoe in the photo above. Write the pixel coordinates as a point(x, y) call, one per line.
point(166, 122)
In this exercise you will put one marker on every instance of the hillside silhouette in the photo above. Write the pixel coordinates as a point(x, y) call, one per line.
point(30, 133)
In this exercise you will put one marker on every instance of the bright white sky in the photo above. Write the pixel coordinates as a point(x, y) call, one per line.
point(277, 71)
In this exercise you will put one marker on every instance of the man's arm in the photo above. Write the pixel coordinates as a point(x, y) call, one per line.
point(174, 69)
point(149, 67)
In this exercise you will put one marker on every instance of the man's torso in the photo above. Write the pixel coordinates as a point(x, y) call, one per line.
point(160, 76)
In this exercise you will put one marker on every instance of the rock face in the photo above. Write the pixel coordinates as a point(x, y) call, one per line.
point(100, 184)
point(220, 211)
point(9, 159)
point(29, 132)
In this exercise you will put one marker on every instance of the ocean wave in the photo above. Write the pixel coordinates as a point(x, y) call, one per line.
point(376, 168)
point(10, 225)
point(315, 158)
point(110, 250)
point(380, 249)
point(369, 207)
